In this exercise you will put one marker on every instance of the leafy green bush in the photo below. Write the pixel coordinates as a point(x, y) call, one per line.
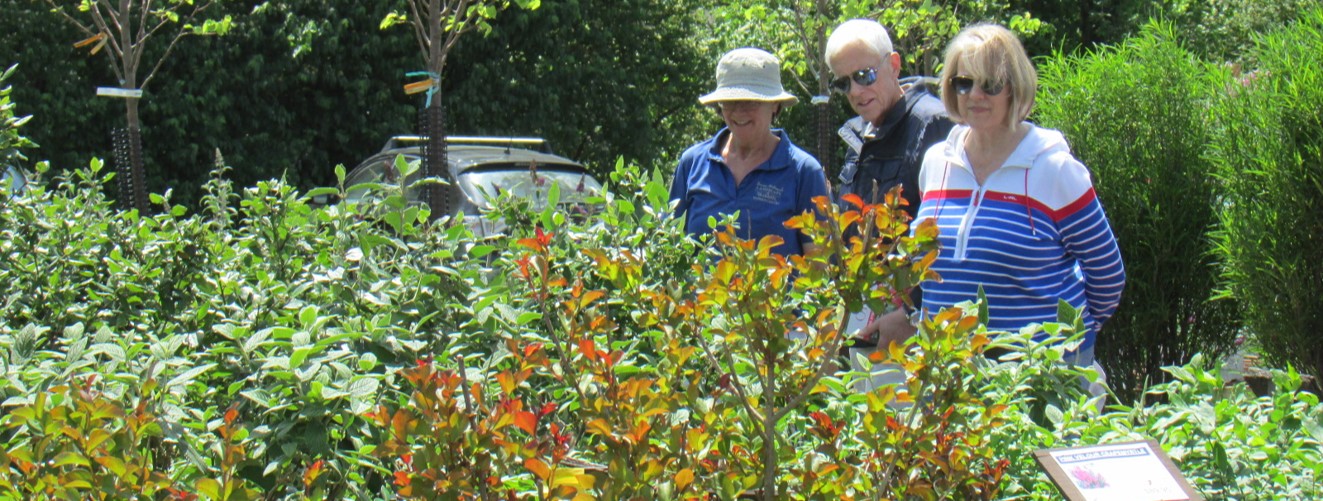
point(11, 142)
point(1136, 115)
point(283, 351)
point(75, 442)
point(1267, 150)
point(1226, 30)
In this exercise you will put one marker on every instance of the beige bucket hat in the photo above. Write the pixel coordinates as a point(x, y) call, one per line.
point(749, 74)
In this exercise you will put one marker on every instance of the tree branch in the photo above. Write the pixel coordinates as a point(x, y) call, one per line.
point(419, 23)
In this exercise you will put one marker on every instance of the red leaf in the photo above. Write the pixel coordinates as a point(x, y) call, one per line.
point(547, 408)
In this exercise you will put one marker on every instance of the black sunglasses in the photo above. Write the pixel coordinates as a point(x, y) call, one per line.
point(964, 85)
point(864, 77)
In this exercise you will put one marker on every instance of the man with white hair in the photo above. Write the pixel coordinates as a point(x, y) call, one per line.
point(898, 120)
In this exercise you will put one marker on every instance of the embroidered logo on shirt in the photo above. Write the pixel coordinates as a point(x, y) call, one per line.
point(769, 193)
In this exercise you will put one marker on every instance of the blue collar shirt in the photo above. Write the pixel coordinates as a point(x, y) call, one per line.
point(779, 189)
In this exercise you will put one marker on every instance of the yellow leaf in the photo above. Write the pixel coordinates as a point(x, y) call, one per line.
point(589, 297)
point(599, 427)
point(208, 487)
point(567, 477)
point(684, 478)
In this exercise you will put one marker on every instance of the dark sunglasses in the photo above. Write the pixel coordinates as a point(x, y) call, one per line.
point(864, 77)
point(964, 85)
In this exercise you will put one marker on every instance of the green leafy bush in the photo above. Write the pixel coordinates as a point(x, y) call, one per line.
point(73, 442)
point(1226, 30)
point(11, 142)
point(284, 351)
point(1136, 115)
point(1267, 150)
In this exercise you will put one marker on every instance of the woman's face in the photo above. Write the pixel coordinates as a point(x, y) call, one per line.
point(982, 103)
point(748, 119)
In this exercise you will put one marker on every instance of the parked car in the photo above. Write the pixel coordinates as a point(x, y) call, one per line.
point(480, 170)
point(14, 180)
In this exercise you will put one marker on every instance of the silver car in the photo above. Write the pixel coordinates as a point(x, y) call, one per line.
point(480, 170)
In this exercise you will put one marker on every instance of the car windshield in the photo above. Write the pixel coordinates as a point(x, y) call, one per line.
point(485, 184)
point(13, 180)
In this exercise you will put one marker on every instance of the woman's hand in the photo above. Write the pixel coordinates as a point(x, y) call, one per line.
point(891, 327)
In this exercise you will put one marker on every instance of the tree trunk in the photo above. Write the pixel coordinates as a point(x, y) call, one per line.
point(434, 157)
point(435, 162)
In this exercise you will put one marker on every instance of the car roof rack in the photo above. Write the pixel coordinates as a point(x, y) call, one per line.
point(508, 141)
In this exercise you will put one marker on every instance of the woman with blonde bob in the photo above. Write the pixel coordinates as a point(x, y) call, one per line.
point(1017, 213)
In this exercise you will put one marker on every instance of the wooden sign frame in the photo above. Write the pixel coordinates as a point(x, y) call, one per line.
point(1125, 471)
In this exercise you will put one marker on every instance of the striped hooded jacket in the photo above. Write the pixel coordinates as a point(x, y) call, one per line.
point(1032, 233)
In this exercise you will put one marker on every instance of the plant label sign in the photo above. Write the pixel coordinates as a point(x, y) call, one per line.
point(1132, 471)
point(118, 92)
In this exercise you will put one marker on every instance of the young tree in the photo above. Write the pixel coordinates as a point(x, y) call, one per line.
point(124, 28)
point(437, 26)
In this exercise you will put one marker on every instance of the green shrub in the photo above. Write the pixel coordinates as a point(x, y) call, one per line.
point(284, 351)
point(74, 442)
point(1136, 115)
point(11, 142)
point(1225, 30)
point(1267, 149)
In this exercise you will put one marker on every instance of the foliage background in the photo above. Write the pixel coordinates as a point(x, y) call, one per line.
point(298, 319)
point(1159, 193)
point(300, 86)
point(1267, 149)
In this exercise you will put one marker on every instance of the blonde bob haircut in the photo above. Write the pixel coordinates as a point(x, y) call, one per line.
point(990, 53)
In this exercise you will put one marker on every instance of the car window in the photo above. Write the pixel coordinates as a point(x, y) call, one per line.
point(486, 184)
point(378, 170)
point(13, 180)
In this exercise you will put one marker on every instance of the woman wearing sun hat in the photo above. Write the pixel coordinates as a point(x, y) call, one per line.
point(748, 167)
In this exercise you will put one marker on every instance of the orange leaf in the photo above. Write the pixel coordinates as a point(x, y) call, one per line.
point(313, 472)
point(526, 421)
point(538, 468)
point(589, 297)
point(854, 200)
point(640, 432)
point(588, 348)
point(531, 243)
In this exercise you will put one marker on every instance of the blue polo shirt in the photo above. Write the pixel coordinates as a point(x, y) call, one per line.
point(779, 189)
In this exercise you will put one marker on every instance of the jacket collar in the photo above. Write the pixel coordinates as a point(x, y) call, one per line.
point(857, 131)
